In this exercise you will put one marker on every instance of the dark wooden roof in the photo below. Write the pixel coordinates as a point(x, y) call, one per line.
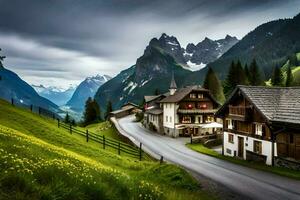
point(277, 104)
point(181, 93)
point(155, 111)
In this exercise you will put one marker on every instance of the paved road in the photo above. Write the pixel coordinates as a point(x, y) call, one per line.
point(242, 180)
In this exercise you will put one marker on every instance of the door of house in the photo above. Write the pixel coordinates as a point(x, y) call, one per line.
point(240, 147)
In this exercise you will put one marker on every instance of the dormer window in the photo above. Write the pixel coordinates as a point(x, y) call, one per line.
point(200, 96)
point(229, 123)
point(258, 129)
point(203, 106)
point(192, 96)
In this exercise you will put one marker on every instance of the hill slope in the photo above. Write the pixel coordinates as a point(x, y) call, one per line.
point(12, 86)
point(269, 44)
point(40, 161)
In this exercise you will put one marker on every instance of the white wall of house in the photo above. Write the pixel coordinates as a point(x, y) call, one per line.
point(230, 148)
point(169, 115)
point(154, 119)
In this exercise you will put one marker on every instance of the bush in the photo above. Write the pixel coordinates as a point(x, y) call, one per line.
point(139, 116)
point(152, 127)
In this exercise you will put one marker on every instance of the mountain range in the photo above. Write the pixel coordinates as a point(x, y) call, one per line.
point(57, 95)
point(153, 69)
point(12, 86)
point(270, 44)
point(86, 89)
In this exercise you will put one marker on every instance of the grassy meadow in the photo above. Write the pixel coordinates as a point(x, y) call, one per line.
point(38, 160)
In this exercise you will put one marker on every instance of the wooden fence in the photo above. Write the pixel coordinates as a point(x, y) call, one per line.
point(36, 109)
point(120, 147)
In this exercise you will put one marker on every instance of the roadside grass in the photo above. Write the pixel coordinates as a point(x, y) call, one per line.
point(104, 128)
point(260, 166)
point(40, 161)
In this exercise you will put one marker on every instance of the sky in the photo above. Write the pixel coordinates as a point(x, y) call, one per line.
point(61, 42)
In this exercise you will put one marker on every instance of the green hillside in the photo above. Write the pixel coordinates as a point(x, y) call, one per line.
point(295, 71)
point(40, 161)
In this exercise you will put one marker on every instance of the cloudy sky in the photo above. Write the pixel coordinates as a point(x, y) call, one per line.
point(60, 42)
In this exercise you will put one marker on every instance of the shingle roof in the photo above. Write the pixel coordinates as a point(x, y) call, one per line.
point(155, 111)
point(151, 98)
point(277, 104)
point(181, 93)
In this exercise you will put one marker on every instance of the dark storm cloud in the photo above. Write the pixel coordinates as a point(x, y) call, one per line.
point(107, 36)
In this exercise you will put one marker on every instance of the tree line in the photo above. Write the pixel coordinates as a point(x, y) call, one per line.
point(248, 75)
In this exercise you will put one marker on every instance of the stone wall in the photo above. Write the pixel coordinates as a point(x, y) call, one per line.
point(283, 162)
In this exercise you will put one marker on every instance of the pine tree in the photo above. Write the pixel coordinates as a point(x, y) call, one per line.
point(247, 73)
point(241, 75)
point(230, 81)
point(293, 61)
point(236, 76)
point(212, 83)
point(255, 77)
point(108, 109)
point(277, 77)
point(67, 119)
point(289, 77)
point(1, 59)
point(156, 92)
point(92, 112)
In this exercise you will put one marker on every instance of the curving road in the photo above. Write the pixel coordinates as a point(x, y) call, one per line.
point(248, 182)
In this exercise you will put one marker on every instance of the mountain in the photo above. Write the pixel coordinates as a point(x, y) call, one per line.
point(59, 96)
point(152, 71)
point(270, 44)
point(12, 86)
point(194, 57)
point(207, 51)
point(86, 89)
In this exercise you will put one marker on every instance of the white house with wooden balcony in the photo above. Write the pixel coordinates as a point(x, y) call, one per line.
point(183, 112)
point(263, 124)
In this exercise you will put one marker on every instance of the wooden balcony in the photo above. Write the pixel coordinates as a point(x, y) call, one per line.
point(241, 113)
point(196, 111)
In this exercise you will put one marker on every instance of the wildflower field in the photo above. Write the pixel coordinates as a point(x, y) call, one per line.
point(40, 161)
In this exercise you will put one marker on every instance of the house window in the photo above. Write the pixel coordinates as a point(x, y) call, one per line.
point(230, 138)
point(257, 146)
point(258, 129)
point(186, 119)
point(192, 96)
point(166, 118)
point(171, 119)
point(229, 123)
point(200, 96)
point(210, 119)
point(228, 151)
point(203, 106)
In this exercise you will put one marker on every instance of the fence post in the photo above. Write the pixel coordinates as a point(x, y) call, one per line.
point(161, 159)
point(191, 139)
point(39, 110)
point(58, 123)
point(31, 107)
point(12, 101)
point(103, 142)
point(71, 128)
point(141, 151)
point(53, 116)
point(87, 135)
point(119, 149)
